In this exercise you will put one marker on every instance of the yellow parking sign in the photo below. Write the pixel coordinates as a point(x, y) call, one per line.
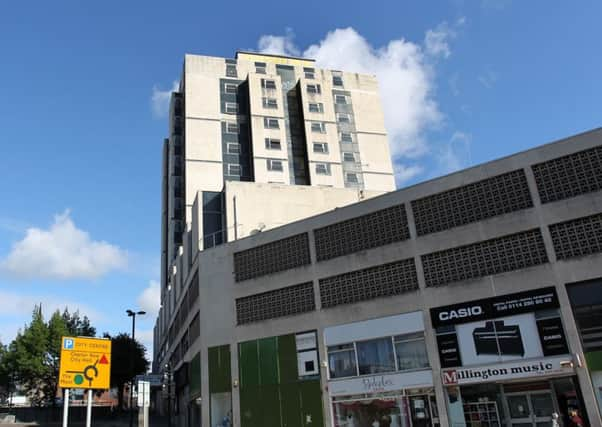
point(85, 363)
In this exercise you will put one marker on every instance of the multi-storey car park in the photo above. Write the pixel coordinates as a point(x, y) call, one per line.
point(473, 299)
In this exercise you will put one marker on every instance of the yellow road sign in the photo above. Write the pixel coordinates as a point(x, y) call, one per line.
point(85, 363)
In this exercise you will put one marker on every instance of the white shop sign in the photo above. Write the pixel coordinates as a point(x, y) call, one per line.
point(381, 383)
point(508, 371)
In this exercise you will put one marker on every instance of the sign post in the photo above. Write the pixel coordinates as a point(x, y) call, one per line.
point(85, 363)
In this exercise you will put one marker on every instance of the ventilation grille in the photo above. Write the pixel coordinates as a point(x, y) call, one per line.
point(512, 252)
point(364, 232)
point(281, 302)
point(374, 282)
point(569, 176)
point(490, 197)
point(577, 237)
point(273, 257)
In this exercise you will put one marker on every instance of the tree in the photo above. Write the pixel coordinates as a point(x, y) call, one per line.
point(5, 371)
point(123, 349)
point(77, 326)
point(57, 328)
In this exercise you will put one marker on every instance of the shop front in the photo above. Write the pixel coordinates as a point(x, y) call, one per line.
point(505, 362)
point(379, 374)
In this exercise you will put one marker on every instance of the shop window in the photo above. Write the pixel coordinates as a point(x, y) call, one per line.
point(411, 352)
point(375, 356)
point(341, 361)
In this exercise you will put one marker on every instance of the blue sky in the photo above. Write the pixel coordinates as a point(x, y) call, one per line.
point(83, 87)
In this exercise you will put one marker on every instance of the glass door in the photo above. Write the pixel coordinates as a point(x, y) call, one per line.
point(532, 409)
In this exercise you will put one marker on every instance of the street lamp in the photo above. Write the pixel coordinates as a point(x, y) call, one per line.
point(133, 315)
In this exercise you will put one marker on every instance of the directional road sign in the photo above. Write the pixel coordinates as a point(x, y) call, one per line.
point(85, 363)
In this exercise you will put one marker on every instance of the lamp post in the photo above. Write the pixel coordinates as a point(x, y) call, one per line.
point(133, 315)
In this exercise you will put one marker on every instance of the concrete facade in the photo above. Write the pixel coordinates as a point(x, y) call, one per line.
point(223, 283)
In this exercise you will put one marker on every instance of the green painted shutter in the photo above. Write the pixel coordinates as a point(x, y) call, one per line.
point(219, 369)
point(311, 403)
point(268, 361)
point(195, 376)
point(287, 359)
point(248, 363)
point(290, 401)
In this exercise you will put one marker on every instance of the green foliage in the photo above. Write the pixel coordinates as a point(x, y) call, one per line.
point(128, 359)
point(32, 359)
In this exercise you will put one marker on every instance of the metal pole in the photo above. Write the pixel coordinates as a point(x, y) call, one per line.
point(89, 411)
point(65, 407)
point(132, 370)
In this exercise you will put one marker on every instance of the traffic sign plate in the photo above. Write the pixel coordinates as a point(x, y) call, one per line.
point(85, 363)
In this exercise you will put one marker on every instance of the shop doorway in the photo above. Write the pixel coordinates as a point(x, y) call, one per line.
point(530, 409)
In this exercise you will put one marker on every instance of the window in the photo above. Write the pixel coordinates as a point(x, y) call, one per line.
point(234, 170)
point(260, 67)
point(231, 108)
point(341, 361)
point(320, 147)
point(309, 73)
point(348, 157)
point(272, 144)
point(231, 127)
point(274, 165)
point(411, 352)
point(269, 103)
point(322, 168)
point(340, 99)
point(231, 71)
point(337, 81)
point(352, 178)
point(343, 118)
point(318, 127)
point(346, 137)
point(316, 107)
point(270, 123)
point(375, 356)
point(230, 88)
point(233, 148)
point(268, 84)
point(314, 89)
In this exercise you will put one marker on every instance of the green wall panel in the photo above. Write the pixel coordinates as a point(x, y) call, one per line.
point(270, 406)
point(268, 361)
point(311, 403)
point(250, 407)
point(290, 403)
point(594, 360)
point(194, 373)
point(219, 369)
point(248, 363)
point(287, 359)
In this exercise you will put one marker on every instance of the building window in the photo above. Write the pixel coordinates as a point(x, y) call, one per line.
point(314, 88)
point(231, 127)
point(346, 137)
point(340, 99)
point(309, 73)
point(230, 88)
point(231, 71)
point(352, 178)
point(341, 361)
point(375, 356)
point(274, 165)
point(322, 168)
point(348, 157)
point(270, 103)
point(234, 170)
point(316, 107)
point(320, 147)
point(337, 81)
point(260, 67)
point(268, 84)
point(231, 107)
point(318, 127)
point(272, 144)
point(343, 118)
point(270, 123)
point(411, 352)
point(233, 148)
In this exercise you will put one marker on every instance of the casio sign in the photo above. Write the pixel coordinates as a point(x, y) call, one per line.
point(460, 313)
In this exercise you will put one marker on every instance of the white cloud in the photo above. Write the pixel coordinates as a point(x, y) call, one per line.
point(456, 154)
point(405, 72)
point(279, 45)
point(160, 99)
point(150, 298)
point(145, 336)
point(436, 41)
point(62, 252)
point(488, 78)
